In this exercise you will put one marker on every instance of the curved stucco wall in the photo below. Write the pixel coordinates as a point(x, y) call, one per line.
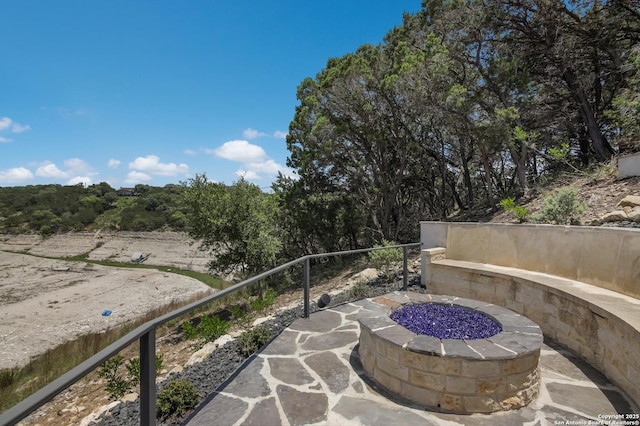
point(605, 257)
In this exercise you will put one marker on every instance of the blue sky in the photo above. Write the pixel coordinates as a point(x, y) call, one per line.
point(153, 92)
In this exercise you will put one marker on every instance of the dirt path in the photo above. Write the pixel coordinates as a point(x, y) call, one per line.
point(46, 302)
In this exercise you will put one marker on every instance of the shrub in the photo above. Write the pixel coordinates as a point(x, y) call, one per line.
point(253, 339)
point(117, 385)
point(211, 327)
point(267, 299)
point(359, 289)
point(176, 398)
point(189, 331)
point(562, 207)
point(521, 213)
point(239, 313)
point(384, 259)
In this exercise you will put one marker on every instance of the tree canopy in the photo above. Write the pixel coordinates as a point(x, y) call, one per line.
point(466, 102)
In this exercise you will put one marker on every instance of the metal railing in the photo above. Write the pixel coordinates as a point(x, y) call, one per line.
point(146, 334)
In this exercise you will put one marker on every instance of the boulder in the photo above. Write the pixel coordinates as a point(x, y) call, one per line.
point(200, 355)
point(634, 215)
point(364, 275)
point(615, 216)
point(630, 201)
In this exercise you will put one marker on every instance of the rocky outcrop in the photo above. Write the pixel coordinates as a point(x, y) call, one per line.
point(628, 213)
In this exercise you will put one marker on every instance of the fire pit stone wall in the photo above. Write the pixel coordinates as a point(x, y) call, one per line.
point(461, 376)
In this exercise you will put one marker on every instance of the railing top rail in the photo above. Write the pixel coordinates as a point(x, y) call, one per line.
point(48, 392)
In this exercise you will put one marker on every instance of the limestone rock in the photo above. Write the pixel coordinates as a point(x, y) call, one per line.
point(634, 215)
point(130, 397)
point(615, 216)
point(630, 201)
point(177, 369)
point(261, 320)
point(200, 355)
point(364, 275)
point(90, 419)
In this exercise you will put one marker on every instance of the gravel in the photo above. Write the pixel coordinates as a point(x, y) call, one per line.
point(446, 321)
point(214, 370)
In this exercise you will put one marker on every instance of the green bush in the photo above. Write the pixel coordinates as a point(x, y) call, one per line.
point(521, 213)
point(189, 331)
point(239, 313)
point(176, 398)
point(253, 339)
point(211, 327)
point(384, 260)
point(261, 304)
point(118, 385)
point(561, 207)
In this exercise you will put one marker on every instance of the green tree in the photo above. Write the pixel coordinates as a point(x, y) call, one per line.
point(237, 223)
point(625, 108)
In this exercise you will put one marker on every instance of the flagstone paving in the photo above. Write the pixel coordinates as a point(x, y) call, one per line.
point(311, 375)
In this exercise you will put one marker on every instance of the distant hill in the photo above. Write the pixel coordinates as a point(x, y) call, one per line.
point(49, 209)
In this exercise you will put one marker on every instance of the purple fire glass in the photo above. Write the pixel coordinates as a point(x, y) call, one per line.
point(446, 321)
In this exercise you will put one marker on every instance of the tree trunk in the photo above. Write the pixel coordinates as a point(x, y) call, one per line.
point(601, 146)
point(487, 174)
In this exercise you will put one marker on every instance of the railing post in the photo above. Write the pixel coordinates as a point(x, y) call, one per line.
point(405, 269)
point(148, 378)
point(307, 285)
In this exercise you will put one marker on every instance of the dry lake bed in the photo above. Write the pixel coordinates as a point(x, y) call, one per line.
point(46, 301)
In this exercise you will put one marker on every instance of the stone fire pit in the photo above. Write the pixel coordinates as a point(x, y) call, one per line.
point(461, 375)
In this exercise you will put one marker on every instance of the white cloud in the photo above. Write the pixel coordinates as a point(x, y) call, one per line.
point(254, 159)
point(248, 175)
point(280, 134)
point(50, 170)
point(76, 166)
point(190, 152)
point(19, 128)
point(113, 163)
point(5, 123)
point(151, 165)
point(134, 178)
point(252, 133)
point(72, 167)
point(5, 139)
point(8, 124)
point(15, 175)
point(240, 151)
point(85, 180)
point(269, 166)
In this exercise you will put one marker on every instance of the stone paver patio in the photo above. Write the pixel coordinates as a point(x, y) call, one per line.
point(311, 375)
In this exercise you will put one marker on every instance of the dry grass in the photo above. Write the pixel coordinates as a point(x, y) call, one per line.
point(17, 384)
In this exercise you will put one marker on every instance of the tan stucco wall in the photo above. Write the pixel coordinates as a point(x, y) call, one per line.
point(606, 257)
point(629, 165)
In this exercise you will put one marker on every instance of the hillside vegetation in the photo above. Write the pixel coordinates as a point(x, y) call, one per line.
point(50, 209)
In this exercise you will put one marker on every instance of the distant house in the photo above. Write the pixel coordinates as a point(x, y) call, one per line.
point(126, 192)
